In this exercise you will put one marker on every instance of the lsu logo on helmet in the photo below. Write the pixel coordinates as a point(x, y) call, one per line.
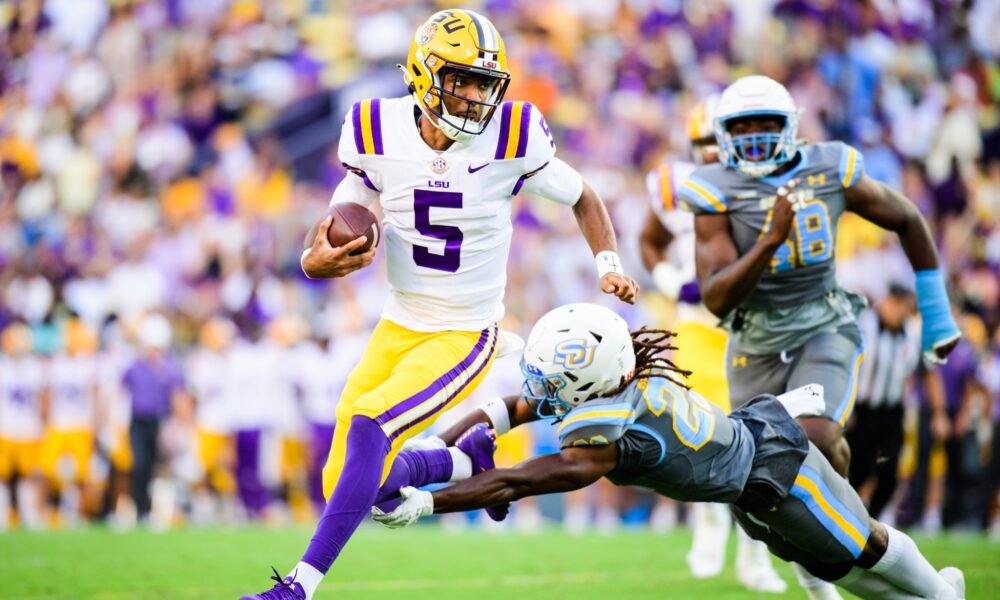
point(574, 354)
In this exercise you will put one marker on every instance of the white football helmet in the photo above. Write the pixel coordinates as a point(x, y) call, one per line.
point(574, 353)
point(756, 154)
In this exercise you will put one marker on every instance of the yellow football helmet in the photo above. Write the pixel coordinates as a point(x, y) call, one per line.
point(456, 41)
point(701, 128)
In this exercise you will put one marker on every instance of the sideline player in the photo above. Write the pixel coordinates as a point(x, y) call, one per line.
point(23, 401)
point(766, 228)
point(624, 414)
point(667, 247)
point(444, 164)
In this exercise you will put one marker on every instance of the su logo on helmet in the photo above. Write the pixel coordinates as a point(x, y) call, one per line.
point(574, 354)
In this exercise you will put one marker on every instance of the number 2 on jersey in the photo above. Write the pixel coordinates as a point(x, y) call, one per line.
point(423, 201)
point(693, 419)
point(809, 243)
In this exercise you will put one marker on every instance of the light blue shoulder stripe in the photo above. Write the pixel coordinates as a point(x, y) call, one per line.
point(653, 434)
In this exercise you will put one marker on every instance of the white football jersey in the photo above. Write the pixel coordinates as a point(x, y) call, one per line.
point(662, 183)
point(446, 215)
point(210, 385)
point(74, 386)
point(22, 380)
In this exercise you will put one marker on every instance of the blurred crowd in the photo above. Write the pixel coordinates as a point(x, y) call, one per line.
point(162, 161)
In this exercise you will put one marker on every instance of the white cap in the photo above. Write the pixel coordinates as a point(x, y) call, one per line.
point(155, 332)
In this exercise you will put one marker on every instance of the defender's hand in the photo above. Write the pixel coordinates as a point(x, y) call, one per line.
point(323, 261)
point(416, 504)
point(786, 203)
point(620, 285)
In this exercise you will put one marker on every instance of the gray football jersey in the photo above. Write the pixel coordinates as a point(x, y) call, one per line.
point(670, 440)
point(799, 290)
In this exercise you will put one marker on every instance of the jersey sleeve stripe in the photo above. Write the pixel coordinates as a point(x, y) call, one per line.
point(371, 127)
point(363, 175)
point(603, 417)
point(523, 178)
point(514, 135)
point(377, 124)
point(568, 427)
point(522, 139)
point(850, 167)
point(504, 131)
point(667, 187)
point(699, 192)
point(359, 140)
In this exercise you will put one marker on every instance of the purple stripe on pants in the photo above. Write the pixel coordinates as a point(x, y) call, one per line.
point(522, 138)
point(359, 140)
point(377, 125)
point(504, 131)
point(450, 397)
point(437, 384)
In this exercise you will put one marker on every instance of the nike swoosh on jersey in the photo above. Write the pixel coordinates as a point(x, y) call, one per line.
point(474, 169)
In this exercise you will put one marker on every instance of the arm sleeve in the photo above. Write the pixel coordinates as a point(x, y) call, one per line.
point(851, 166)
point(366, 185)
point(700, 195)
point(596, 425)
point(555, 180)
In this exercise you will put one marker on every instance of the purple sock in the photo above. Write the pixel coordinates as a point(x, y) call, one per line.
point(354, 494)
point(416, 469)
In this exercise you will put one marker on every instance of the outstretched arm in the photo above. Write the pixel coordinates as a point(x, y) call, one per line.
point(571, 469)
point(888, 209)
point(595, 224)
point(518, 413)
point(885, 207)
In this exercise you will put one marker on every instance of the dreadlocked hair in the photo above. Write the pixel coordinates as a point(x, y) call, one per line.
point(649, 346)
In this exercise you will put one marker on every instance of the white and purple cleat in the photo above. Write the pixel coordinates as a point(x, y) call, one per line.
point(285, 589)
point(479, 443)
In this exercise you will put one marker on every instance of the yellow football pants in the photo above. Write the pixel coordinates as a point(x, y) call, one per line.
point(702, 350)
point(404, 381)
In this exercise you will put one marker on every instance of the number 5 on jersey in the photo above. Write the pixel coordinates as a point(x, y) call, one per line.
point(423, 201)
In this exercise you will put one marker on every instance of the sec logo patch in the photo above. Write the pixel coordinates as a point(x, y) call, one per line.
point(439, 165)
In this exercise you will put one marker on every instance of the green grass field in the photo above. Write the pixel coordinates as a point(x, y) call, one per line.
point(423, 562)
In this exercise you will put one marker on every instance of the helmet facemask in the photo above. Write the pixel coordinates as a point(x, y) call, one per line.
point(433, 103)
point(757, 154)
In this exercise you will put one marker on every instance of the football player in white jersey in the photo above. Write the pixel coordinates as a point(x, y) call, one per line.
point(667, 245)
point(22, 399)
point(72, 420)
point(211, 386)
point(443, 163)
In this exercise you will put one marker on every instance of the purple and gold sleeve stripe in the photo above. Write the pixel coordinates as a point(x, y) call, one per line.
point(515, 119)
point(525, 177)
point(364, 176)
point(439, 394)
point(366, 117)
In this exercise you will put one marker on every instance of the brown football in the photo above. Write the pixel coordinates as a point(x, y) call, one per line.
point(350, 221)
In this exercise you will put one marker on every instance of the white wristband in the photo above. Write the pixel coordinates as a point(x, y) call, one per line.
point(608, 262)
point(496, 410)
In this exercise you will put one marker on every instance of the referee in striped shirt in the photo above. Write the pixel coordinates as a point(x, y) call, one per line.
point(892, 354)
